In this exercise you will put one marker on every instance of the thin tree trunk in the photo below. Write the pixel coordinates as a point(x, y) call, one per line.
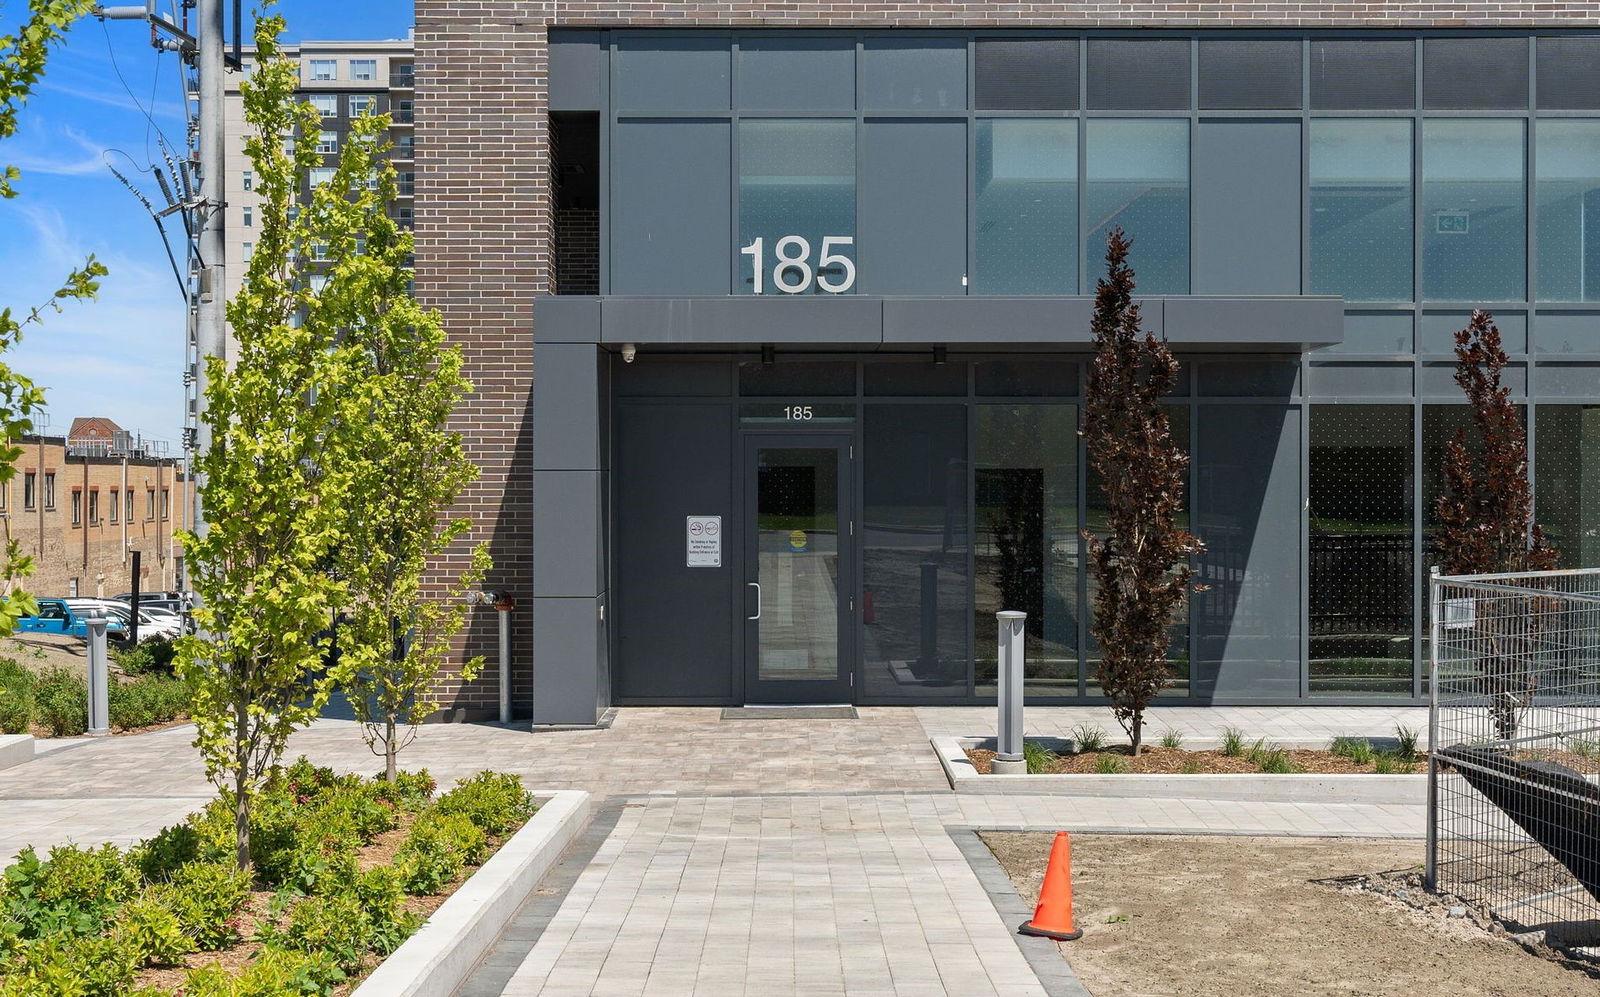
point(389, 751)
point(1138, 733)
point(241, 780)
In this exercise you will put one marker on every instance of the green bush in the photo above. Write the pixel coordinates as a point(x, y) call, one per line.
point(61, 703)
point(335, 926)
point(66, 966)
point(369, 812)
point(73, 892)
point(410, 791)
point(152, 655)
point(381, 892)
point(208, 899)
point(273, 973)
point(160, 856)
point(151, 932)
point(146, 701)
point(16, 697)
point(435, 853)
point(495, 801)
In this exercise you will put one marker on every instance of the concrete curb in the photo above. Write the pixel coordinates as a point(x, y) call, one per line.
point(15, 749)
point(1400, 790)
point(440, 957)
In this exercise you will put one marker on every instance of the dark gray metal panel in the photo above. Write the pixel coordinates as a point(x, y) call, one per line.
point(566, 406)
point(1250, 73)
point(914, 74)
point(566, 319)
point(1566, 332)
point(567, 655)
point(1377, 332)
point(670, 211)
point(576, 70)
point(674, 624)
point(781, 72)
point(913, 227)
point(1569, 380)
point(1438, 381)
point(1569, 73)
point(994, 320)
point(1246, 205)
point(1138, 74)
point(654, 375)
point(1475, 72)
point(1272, 323)
point(1359, 380)
point(672, 73)
point(1436, 331)
point(785, 319)
point(1247, 506)
point(1249, 378)
point(566, 533)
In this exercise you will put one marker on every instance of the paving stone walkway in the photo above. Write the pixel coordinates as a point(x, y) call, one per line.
point(731, 857)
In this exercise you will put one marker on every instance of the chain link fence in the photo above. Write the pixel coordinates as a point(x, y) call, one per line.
point(1514, 738)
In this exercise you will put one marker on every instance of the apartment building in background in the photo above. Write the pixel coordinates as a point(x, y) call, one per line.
point(83, 503)
point(343, 80)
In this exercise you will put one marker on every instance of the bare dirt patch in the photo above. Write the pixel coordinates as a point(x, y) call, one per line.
point(1245, 917)
point(1177, 761)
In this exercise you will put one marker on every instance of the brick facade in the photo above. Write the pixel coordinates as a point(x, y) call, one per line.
point(484, 223)
point(93, 552)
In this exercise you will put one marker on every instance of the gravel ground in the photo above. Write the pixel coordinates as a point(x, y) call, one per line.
point(1243, 917)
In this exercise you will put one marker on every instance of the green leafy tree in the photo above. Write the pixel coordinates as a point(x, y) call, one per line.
point(1141, 565)
point(276, 479)
point(23, 56)
point(407, 469)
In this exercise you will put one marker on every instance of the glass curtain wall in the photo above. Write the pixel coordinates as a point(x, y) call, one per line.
point(1567, 193)
point(1567, 472)
point(1361, 208)
point(1027, 206)
point(1138, 177)
point(797, 178)
point(1025, 541)
point(1474, 214)
point(1361, 564)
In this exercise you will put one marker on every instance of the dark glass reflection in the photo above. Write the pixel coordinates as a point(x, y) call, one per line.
point(1361, 209)
point(1568, 204)
point(1361, 584)
point(1474, 212)
point(1138, 178)
point(1027, 206)
point(1025, 538)
point(914, 545)
point(1567, 475)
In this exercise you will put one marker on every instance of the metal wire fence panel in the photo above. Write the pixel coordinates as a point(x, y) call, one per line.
point(1514, 739)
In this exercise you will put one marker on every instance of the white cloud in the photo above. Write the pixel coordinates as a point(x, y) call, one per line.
point(160, 111)
point(89, 160)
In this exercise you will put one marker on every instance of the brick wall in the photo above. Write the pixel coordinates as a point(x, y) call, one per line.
point(484, 227)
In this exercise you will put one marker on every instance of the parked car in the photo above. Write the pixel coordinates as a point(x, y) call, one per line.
point(177, 602)
point(56, 616)
point(150, 625)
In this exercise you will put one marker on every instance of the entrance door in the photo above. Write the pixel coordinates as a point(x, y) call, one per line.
point(798, 569)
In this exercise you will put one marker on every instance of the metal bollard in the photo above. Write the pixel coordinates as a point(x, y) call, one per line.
point(99, 690)
point(1008, 748)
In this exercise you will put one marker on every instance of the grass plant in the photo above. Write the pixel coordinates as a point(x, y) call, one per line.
point(1172, 739)
point(1357, 749)
point(1037, 756)
point(1407, 737)
point(1232, 742)
point(1089, 738)
point(1111, 765)
point(1393, 763)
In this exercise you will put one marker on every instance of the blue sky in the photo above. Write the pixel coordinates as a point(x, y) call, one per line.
point(120, 356)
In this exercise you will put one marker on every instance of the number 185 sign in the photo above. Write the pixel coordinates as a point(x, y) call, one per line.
point(792, 271)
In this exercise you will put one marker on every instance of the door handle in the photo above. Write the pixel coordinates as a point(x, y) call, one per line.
point(758, 601)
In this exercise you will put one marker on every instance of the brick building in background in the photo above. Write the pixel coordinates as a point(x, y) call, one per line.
point(81, 504)
point(511, 207)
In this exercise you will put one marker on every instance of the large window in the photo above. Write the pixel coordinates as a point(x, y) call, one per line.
point(1474, 216)
point(1567, 476)
point(914, 546)
point(1026, 541)
point(1567, 158)
point(1138, 178)
point(1027, 206)
point(1361, 588)
point(797, 181)
point(1361, 209)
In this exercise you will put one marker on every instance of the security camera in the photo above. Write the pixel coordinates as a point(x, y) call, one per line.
point(629, 351)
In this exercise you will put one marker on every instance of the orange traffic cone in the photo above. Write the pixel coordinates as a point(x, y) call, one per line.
point(1053, 917)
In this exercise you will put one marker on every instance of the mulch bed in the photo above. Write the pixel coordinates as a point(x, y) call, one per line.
point(1176, 761)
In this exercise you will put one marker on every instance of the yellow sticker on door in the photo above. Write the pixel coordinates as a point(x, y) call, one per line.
point(798, 541)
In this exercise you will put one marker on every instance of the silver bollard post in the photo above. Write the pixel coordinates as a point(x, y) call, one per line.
point(99, 691)
point(1008, 748)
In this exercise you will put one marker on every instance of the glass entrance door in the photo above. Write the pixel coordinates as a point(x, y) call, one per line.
point(798, 569)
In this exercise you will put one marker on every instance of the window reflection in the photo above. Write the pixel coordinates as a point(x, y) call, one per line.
point(796, 178)
point(1474, 238)
point(1027, 206)
point(1361, 209)
point(1138, 178)
point(1568, 203)
point(1568, 476)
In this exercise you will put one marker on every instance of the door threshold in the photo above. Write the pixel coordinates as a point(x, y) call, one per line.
point(807, 711)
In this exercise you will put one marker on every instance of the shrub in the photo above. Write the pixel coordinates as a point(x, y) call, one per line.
point(335, 926)
point(73, 892)
point(152, 655)
point(1172, 739)
point(363, 808)
point(410, 791)
point(61, 703)
point(16, 697)
point(439, 848)
point(1089, 738)
point(1357, 749)
point(273, 973)
point(66, 966)
point(1407, 737)
point(160, 856)
point(380, 892)
point(494, 801)
point(208, 899)
point(1111, 765)
point(1036, 757)
point(1232, 742)
point(151, 932)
